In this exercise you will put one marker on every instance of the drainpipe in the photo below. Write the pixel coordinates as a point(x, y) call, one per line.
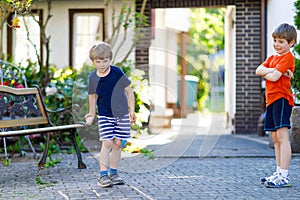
point(263, 30)
point(263, 43)
point(263, 54)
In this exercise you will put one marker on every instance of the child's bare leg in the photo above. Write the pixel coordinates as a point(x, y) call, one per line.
point(285, 147)
point(276, 147)
point(104, 154)
point(114, 162)
point(115, 153)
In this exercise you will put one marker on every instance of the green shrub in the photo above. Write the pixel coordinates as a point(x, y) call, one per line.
point(296, 81)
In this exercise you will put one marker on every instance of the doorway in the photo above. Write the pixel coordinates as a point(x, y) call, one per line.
point(208, 56)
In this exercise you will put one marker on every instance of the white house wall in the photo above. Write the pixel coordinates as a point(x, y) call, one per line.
point(157, 63)
point(177, 20)
point(163, 71)
point(278, 12)
point(58, 28)
point(171, 65)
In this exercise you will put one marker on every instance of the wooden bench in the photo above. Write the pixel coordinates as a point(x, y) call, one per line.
point(23, 112)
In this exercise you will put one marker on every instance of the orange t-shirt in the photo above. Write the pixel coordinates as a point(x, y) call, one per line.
point(282, 87)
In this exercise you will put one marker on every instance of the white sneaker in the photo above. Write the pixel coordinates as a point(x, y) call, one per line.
point(104, 181)
point(269, 178)
point(278, 182)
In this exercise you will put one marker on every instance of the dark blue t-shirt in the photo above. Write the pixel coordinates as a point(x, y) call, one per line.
point(112, 100)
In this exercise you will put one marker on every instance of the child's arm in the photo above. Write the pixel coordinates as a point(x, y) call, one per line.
point(130, 96)
point(89, 118)
point(289, 74)
point(275, 75)
point(262, 70)
point(270, 74)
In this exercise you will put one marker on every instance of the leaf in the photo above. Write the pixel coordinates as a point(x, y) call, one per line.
point(7, 162)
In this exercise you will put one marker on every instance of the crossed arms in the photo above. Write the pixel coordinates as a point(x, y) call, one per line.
point(271, 74)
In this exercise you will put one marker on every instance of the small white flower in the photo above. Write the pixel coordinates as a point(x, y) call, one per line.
point(51, 91)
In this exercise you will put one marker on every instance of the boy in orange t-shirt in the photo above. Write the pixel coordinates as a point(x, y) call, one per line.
point(277, 70)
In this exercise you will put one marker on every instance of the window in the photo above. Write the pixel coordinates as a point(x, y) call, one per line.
point(86, 27)
point(21, 46)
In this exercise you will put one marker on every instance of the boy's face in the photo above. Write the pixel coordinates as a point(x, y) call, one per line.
point(102, 64)
point(282, 46)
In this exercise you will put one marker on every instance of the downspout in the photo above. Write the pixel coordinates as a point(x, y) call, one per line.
point(263, 42)
point(263, 30)
point(263, 53)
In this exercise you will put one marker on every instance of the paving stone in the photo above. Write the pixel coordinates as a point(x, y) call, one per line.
point(230, 170)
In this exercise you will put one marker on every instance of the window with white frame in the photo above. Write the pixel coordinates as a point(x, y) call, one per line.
point(86, 27)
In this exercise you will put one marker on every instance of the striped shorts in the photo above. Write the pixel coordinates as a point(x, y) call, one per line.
point(114, 127)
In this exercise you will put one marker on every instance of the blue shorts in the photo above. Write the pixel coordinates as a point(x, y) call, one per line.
point(278, 115)
point(114, 127)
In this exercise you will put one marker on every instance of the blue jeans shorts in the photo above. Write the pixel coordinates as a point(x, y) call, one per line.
point(278, 115)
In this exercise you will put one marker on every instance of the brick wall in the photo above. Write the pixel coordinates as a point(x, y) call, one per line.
point(248, 54)
point(248, 57)
point(189, 3)
point(143, 44)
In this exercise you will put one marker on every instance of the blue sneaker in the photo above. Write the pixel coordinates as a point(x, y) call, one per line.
point(269, 178)
point(278, 182)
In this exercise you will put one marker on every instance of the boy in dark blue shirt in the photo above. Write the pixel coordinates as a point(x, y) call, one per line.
point(110, 90)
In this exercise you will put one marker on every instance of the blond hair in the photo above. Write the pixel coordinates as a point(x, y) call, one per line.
point(101, 50)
